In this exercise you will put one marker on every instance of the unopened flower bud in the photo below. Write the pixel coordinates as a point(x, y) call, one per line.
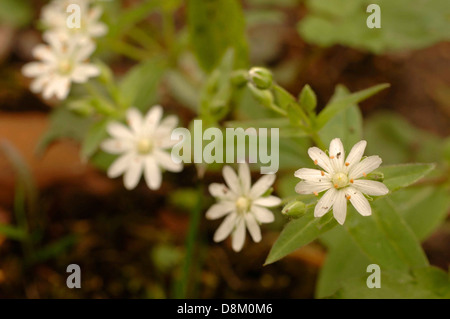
point(261, 77)
point(294, 209)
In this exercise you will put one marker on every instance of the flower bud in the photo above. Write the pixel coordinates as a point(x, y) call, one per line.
point(294, 209)
point(261, 77)
point(265, 97)
point(239, 77)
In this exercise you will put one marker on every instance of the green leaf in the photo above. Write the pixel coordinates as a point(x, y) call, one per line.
point(17, 13)
point(283, 124)
point(300, 232)
point(344, 261)
point(346, 124)
point(307, 98)
point(394, 285)
point(64, 124)
point(139, 87)
point(95, 135)
point(339, 104)
point(331, 22)
point(423, 208)
point(12, 232)
point(215, 26)
point(403, 175)
point(385, 237)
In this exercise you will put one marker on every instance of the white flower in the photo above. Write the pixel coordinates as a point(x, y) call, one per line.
point(54, 16)
point(63, 61)
point(341, 179)
point(141, 146)
point(244, 205)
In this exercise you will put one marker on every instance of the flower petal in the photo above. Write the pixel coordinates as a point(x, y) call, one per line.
point(225, 228)
point(269, 201)
point(253, 227)
point(320, 158)
point(307, 187)
point(83, 72)
point(245, 178)
point(262, 185)
point(366, 166)
point(324, 204)
point(152, 173)
point(220, 191)
point(115, 146)
point(220, 209)
point(134, 120)
point(231, 179)
point(119, 131)
point(152, 118)
point(262, 214)
point(238, 236)
point(120, 165)
point(309, 174)
point(133, 174)
point(337, 154)
point(355, 154)
point(358, 201)
point(340, 207)
point(165, 160)
point(373, 188)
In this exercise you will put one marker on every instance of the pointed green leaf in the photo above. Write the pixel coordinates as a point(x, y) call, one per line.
point(399, 176)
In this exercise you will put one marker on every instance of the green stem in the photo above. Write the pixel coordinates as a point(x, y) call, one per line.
point(190, 246)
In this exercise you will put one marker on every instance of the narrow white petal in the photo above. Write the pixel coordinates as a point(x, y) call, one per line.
point(320, 158)
point(220, 209)
point(133, 174)
point(253, 227)
point(238, 236)
point(62, 88)
point(355, 154)
point(324, 204)
point(83, 72)
point(220, 191)
point(44, 53)
point(337, 154)
point(152, 173)
point(152, 118)
point(34, 69)
point(119, 131)
point(262, 185)
point(165, 161)
point(373, 188)
point(358, 201)
point(245, 178)
point(120, 165)
point(340, 207)
point(134, 120)
point(225, 228)
point(269, 201)
point(262, 214)
point(38, 84)
point(50, 88)
point(366, 166)
point(306, 187)
point(231, 179)
point(85, 50)
point(166, 126)
point(309, 174)
point(115, 146)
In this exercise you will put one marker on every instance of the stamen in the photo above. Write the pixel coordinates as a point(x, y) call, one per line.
point(332, 157)
point(364, 174)
point(316, 162)
point(347, 163)
point(322, 173)
point(336, 186)
point(316, 194)
point(348, 197)
point(351, 181)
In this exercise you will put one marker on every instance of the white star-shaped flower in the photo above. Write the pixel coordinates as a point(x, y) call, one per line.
point(62, 62)
point(341, 179)
point(243, 204)
point(54, 16)
point(142, 147)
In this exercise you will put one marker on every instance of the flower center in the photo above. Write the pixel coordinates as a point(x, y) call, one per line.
point(340, 180)
point(144, 146)
point(65, 67)
point(242, 205)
